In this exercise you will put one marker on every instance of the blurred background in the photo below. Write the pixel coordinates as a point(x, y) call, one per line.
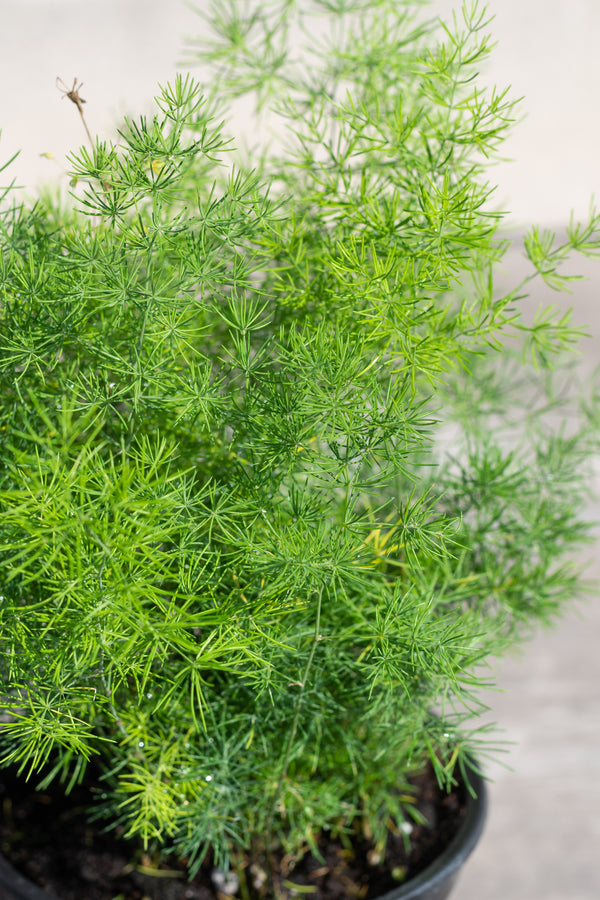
point(543, 833)
point(547, 51)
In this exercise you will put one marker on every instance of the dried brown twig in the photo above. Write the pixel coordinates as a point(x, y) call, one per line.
point(73, 95)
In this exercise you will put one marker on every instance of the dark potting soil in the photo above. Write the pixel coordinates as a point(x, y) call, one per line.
point(47, 838)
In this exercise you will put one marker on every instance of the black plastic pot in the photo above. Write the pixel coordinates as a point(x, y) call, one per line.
point(438, 879)
point(434, 883)
point(14, 886)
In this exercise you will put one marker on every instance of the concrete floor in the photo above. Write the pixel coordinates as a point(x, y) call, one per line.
point(542, 839)
point(543, 835)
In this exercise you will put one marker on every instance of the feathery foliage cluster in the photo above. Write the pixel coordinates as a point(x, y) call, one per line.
point(280, 464)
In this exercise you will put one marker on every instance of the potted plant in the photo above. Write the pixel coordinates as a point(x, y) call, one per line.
point(282, 470)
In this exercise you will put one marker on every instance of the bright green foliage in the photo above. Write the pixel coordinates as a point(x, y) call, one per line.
point(275, 488)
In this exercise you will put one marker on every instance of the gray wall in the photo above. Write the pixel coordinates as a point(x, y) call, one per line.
point(120, 49)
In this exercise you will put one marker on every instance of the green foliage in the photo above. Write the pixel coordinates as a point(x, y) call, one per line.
point(276, 484)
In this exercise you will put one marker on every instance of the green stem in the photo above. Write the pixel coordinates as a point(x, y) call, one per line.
point(292, 735)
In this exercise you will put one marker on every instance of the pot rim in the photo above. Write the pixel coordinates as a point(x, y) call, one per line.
point(446, 866)
point(20, 887)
